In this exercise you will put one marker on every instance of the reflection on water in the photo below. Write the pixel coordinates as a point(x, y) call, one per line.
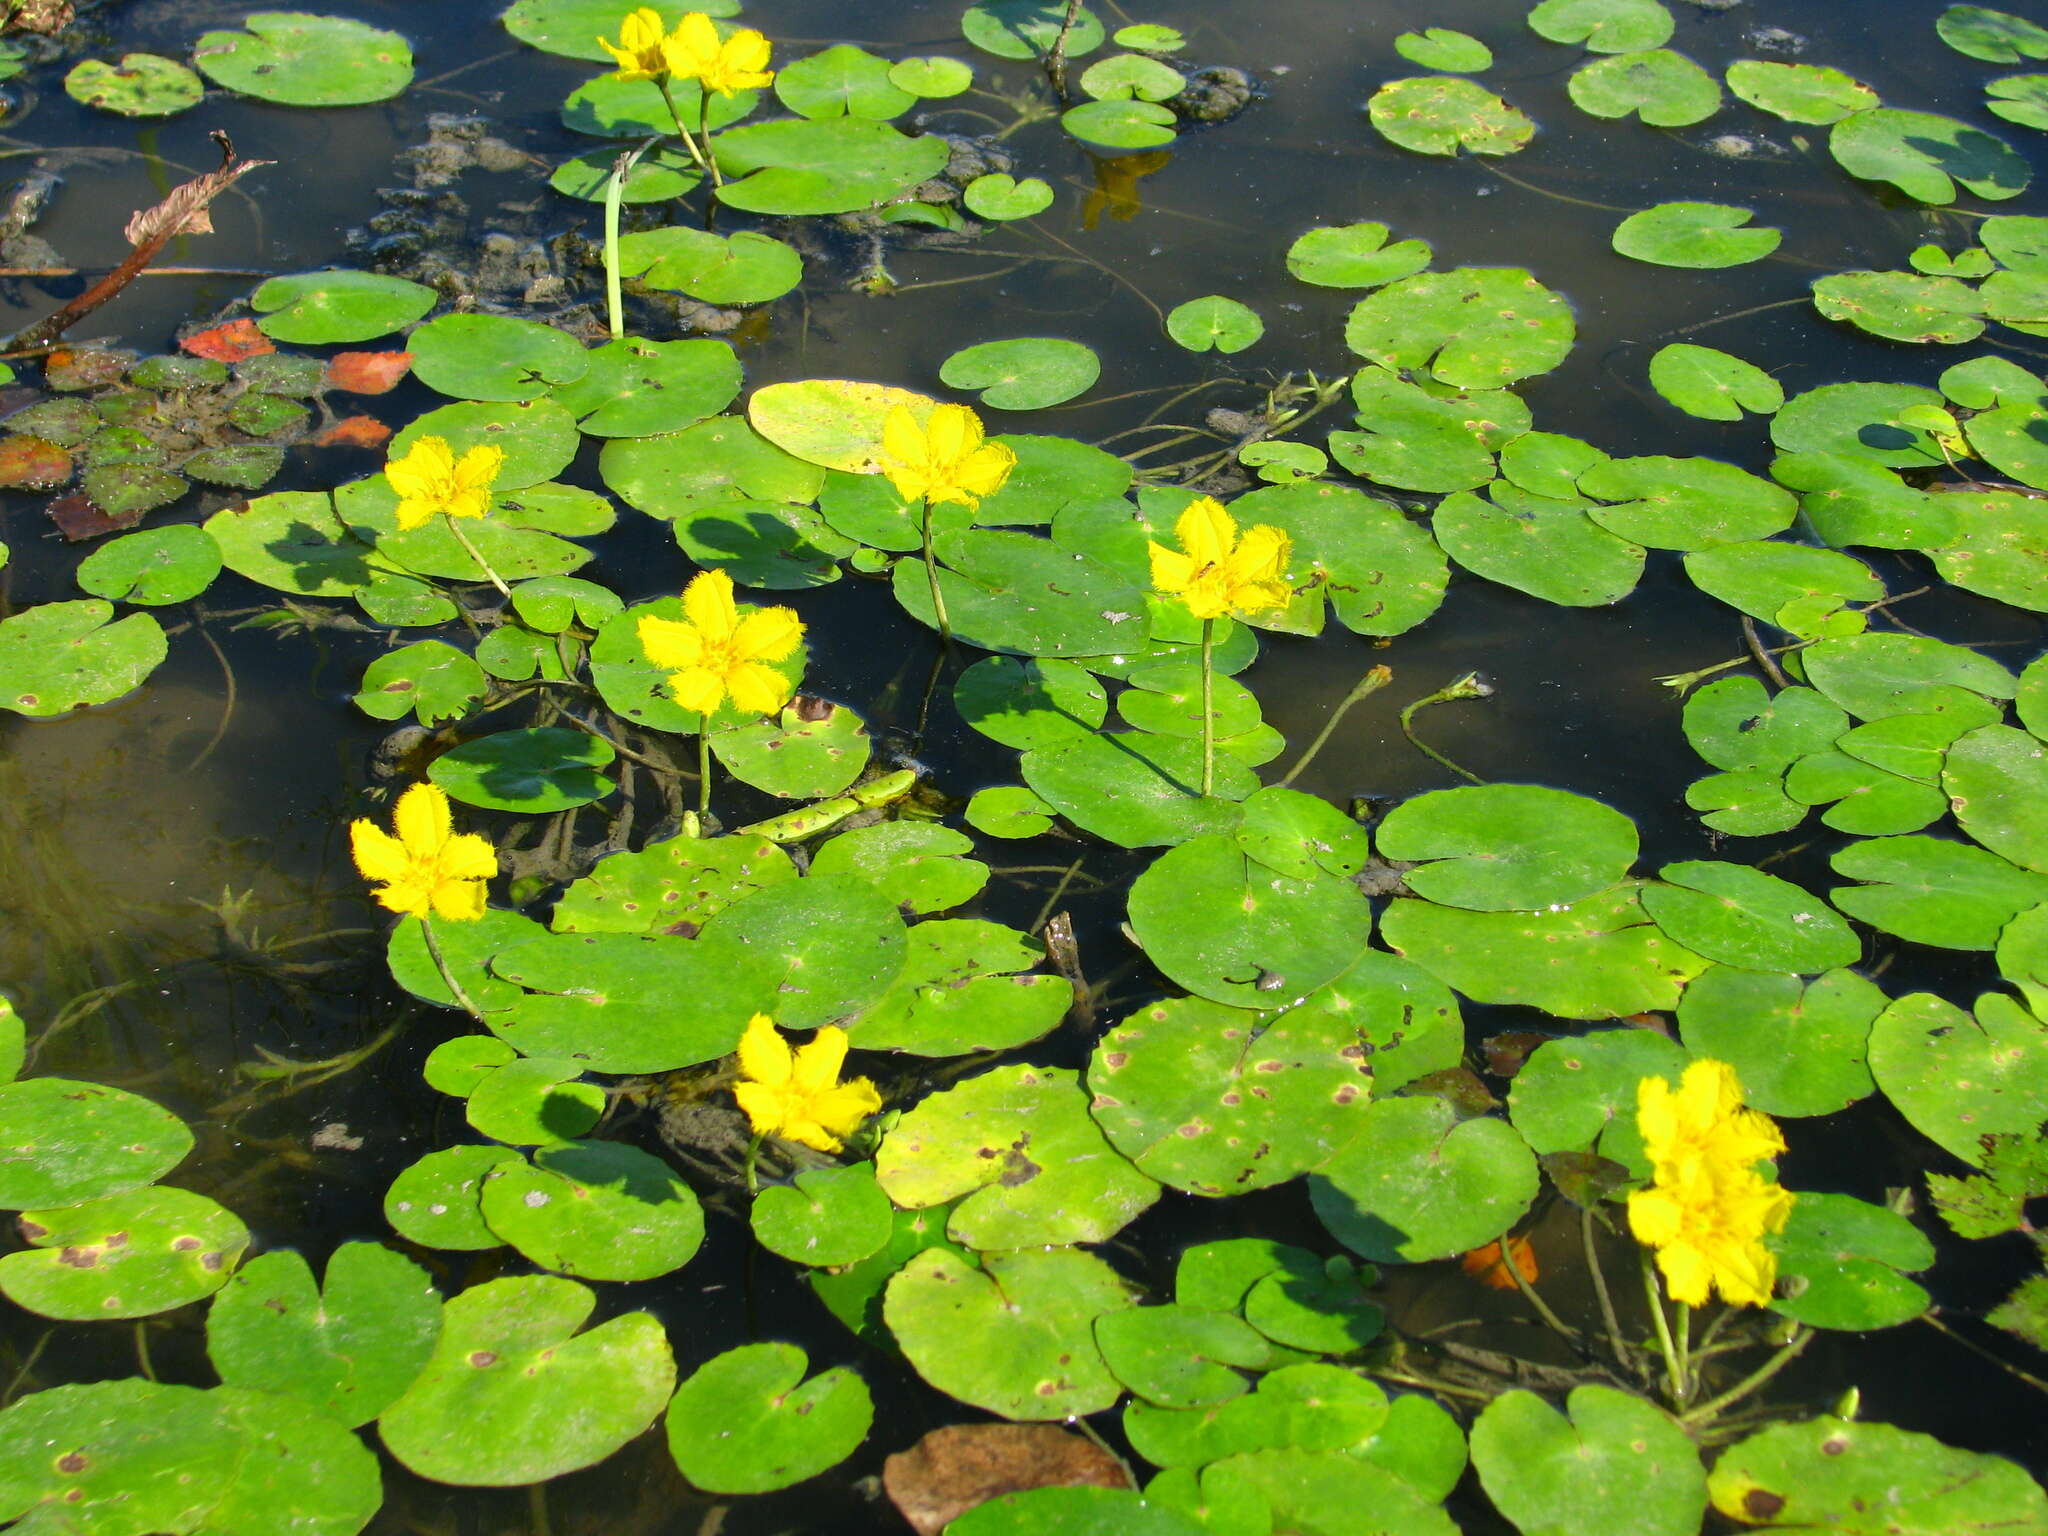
point(154, 854)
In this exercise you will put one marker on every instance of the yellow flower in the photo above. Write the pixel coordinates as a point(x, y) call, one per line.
point(641, 49)
point(694, 52)
point(715, 654)
point(1215, 572)
point(797, 1095)
point(1708, 1207)
point(428, 867)
point(431, 480)
point(945, 460)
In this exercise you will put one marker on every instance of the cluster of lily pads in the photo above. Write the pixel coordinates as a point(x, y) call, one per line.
point(963, 1227)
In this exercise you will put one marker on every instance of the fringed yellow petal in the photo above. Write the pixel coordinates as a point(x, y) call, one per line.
point(379, 856)
point(756, 689)
point(670, 642)
point(765, 1056)
point(708, 604)
point(422, 820)
point(768, 634)
point(697, 689)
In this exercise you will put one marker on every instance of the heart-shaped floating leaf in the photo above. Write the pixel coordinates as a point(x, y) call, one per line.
point(826, 165)
point(959, 992)
point(1219, 1101)
point(1027, 374)
point(341, 305)
point(1548, 548)
point(1998, 37)
point(1472, 327)
point(1799, 1047)
point(829, 946)
point(1354, 256)
point(1223, 323)
point(128, 1255)
point(1617, 1465)
point(1926, 156)
point(1800, 93)
point(58, 656)
point(1839, 1263)
point(572, 27)
point(1498, 847)
point(1178, 1356)
point(1308, 1406)
point(1441, 114)
point(1996, 778)
point(1419, 1183)
point(1002, 197)
point(812, 749)
point(914, 864)
point(1018, 1144)
point(307, 61)
point(348, 1347)
point(1959, 1079)
point(1323, 1312)
point(1325, 1490)
point(842, 81)
point(1694, 235)
point(1020, 593)
point(429, 679)
point(436, 1201)
point(1691, 503)
point(1016, 1336)
point(1712, 385)
point(1440, 48)
point(154, 567)
point(534, 1101)
point(667, 885)
point(141, 85)
point(1121, 125)
point(827, 1217)
point(1027, 29)
point(515, 1394)
point(1742, 916)
point(1570, 1092)
point(1603, 26)
point(494, 357)
point(537, 771)
point(537, 437)
point(1666, 89)
point(66, 1142)
point(598, 1210)
point(742, 1423)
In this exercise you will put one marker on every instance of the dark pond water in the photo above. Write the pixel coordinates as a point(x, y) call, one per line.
point(221, 790)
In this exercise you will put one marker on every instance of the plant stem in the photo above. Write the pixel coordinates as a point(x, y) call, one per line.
point(1622, 1353)
point(931, 576)
point(710, 160)
point(1208, 706)
point(1056, 61)
point(1656, 1300)
point(1367, 686)
point(754, 1152)
point(477, 555)
point(1541, 1307)
point(614, 195)
point(1756, 1378)
point(1466, 687)
point(704, 764)
point(447, 976)
point(689, 139)
point(1682, 1335)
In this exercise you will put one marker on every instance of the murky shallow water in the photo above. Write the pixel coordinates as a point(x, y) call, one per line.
point(128, 829)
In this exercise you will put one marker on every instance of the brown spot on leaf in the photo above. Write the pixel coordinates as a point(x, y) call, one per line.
point(1761, 1503)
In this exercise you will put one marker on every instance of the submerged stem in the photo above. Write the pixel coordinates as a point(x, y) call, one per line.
point(1623, 1355)
point(1756, 1378)
point(1367, 686)
point(1655, 1296)
point(704, 764)
point(1467, 687)
point(1208, 706)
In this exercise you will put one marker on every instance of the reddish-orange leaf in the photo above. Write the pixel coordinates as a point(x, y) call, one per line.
point(1485, 1266)
point(228, 343)
point(367, 373)
point(78, 516)
point(355, 432)
point(33, 462)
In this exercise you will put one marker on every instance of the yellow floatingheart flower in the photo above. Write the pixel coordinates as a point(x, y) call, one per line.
point(1217, 572)
point(944, 460)
point(797, 1095)
point(642, 49)
point(714, 654)
point(1708, 1206)
point(428, 867)
point(430, 480)
point(695, 52)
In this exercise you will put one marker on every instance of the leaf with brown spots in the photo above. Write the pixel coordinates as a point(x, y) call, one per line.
point(32, 463)
point(953, 1469)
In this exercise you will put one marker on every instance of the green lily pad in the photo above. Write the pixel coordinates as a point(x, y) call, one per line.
point(1215, 321)
point(1132, 76)
point(1023, 375)
point(1839, 1263)
point(1384, 574)
point(1603, 26)
point(828, 1216)
point(916, 865)
point(1440, 48)
point(1002, 197)
point(1866, 798)
point(675, 474)
point(1415, 440)
point(1860, 421)
point(1926, 156)
point(1500, 847)
point(571, 27)
point(1418, 1183)
point(741, 1423)
point(1693, 235)
point(1744, 917)
point(436, 1202)
point(57, 657)
point(66, 1142)
point(1178, 1356)
point(534, 1101)
point(1547, 548)
point(536, 771)
point(494, 357)
point(460, 1063)
point(1224, 926)
point(538, 438)
point(466, 949)
point(1998, 549)
point(1031, 702)
point(1800, 1047)
point(1800, 93)
point(635, 688)
point(1666, 90)
point(1031, 1317)
point(822, 165)
point(1008, 810)
point(1850, 500)
point(1958, 1079)
point(746, 268)
point(307, 61)
point(1601, 958)
point(129, 1255)
point(1326, 1312)
point(1441, 114)
point(1017, 1143)
point(802, 754)
point(1616, 1464)
point(960, 991)
point(1298, 834)
point(597, 1210)
point(677, 884)
point(338, 306)
point(2019, 99)
point(1902, 306)
point(1472, 327)
point(612, 108)
point(659, 176)
point(1016, 592)
point(141, 85)
point(429, 679)
point(348, 1347)
point(840, 81)
point(1216, 1101)
point(1308, 1406)
point(1998, 37)
point(607, 1000)
point(1355, 255)
point(1867, 1479)
point(1876, 676)
point(1790, 585)
point(293, 541)
point(934, 77)
point(1122, 125)
point(1711, 385)
point(1995, 778)
point(1571, 1092)
point(1406, 1021)
point(1669, 503)
point(516, 1394)
point(831, 946)
point(2007, 439)
point(1167, 699)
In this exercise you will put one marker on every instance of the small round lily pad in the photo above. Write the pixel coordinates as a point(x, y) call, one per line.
point(748, 1422)
point(141, 85)
point(307, 61)
point(1023, 375)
